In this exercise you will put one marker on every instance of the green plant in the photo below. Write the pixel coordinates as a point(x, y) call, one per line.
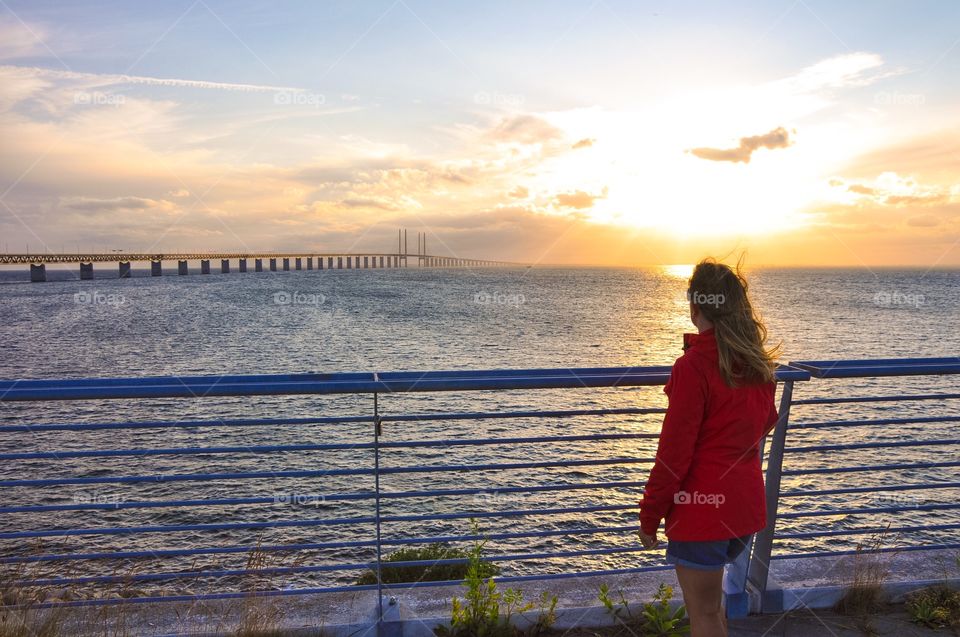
point(485, 611)
point(656, 620)
point(863, 596)
point(935, 606)
point(429, 573)
point(659, 620)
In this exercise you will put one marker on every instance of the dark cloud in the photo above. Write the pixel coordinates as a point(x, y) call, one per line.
point(777, 138)
point(117, 203)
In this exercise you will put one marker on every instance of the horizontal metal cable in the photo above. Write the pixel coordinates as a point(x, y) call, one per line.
point(872, 399)
point(878, 444)
point(860, 531)
point(279, 548)
point(317, 568)
point(412, 444)
point(870, 489)
point(875, 467)
point(889, 509)
point(205, 477)
point(333, 420)
point(893, 549)
point(222, 526)
point(872, 423)
point(308, 499)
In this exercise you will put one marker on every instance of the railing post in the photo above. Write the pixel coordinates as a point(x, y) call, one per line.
point(386, 626)
point(759, 571)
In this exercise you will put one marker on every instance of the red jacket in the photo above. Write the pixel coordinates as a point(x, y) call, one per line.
point(706, 481)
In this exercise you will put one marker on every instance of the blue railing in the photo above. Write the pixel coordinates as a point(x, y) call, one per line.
point(381, 501)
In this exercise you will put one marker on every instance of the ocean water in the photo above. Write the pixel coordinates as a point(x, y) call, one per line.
point(385, 320)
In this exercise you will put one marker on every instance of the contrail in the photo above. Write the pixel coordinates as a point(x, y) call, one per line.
point(107, 78)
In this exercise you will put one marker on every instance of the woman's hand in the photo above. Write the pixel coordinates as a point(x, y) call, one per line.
point(648, 541)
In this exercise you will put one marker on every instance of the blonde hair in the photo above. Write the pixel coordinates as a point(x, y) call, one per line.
point(720, 293)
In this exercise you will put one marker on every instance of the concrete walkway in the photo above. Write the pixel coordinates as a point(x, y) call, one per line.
point(821, 623)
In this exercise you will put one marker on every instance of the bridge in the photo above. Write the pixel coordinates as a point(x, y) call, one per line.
point(275, 261)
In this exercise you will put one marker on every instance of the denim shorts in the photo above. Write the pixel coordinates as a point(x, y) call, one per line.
point(706, 556)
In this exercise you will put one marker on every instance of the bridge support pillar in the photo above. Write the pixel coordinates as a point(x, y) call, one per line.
point(86, 271)
point(124, 269)
point(243, 265)
point(309, 263)
point(339, 263)
point(224, 266)
point(366, 262)
point(298, 263)
point(38, 272)
point(182, 268)
point(349, 263)
point(156, 268)
point(286, 264)
point(204, 266)
point(273, 265)
point(381, 262)
point(258, 265)
point(329, 263)
point(319, 263)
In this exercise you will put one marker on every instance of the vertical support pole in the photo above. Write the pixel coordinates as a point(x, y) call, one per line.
point(38, 272)
point(339, 263)
point(377, 430)
point(224, 266)
point(182, 267)
point(258, 265)
point(349, 263)
point(366, 262)
point(286, 264)
point(156, 268)
point(309, 263)
point(124, 269)
point(381, 262)
point(86, 271)
point(329, 263)
point(298, 263)
point(273, 265)
point(242, 265)
point(759, 568)
point(204, 266)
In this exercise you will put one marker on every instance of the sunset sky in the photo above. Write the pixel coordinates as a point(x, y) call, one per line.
point(603, 132)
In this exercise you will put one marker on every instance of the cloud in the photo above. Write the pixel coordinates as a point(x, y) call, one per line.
point(583, 143)
point(18, 40)
point(525, 129)
point(520, 192)
point(923, 221)
point(851, 69)
point(578, 199)
point(777, 138)
point(860, 189)
point(118, 203)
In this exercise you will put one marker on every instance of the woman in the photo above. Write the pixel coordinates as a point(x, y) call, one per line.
point(706, 482)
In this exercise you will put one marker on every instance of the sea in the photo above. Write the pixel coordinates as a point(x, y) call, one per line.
point(436, 319)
